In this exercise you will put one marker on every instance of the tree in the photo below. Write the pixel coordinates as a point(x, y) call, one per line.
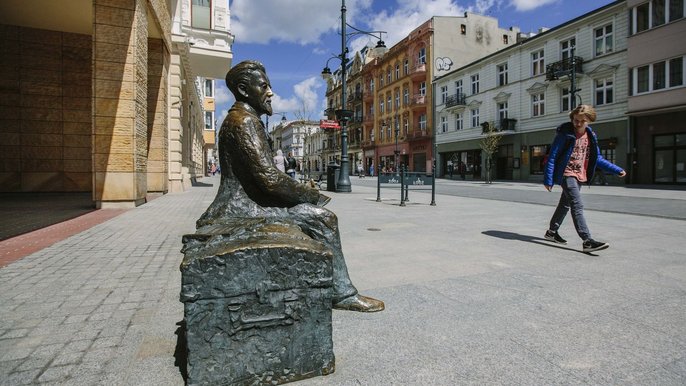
point(489, 144)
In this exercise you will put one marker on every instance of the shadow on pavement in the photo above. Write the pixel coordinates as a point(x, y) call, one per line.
point(530, 239)
point(181, 351)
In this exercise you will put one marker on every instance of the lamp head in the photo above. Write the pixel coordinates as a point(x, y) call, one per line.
point(326, 73)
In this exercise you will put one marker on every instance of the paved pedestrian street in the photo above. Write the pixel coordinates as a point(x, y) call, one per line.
point(474, 294)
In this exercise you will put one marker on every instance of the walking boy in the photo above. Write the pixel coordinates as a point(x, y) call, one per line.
point(574, 156)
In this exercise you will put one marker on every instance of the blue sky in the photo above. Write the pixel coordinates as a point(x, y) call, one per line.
point(295, 38)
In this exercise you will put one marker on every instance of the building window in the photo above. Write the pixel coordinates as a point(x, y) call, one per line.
point(406, 96)
point(209, 120)
point(421, 56)
point(380, 80)
point(397, 71)
point(475, 117)
point(658, 76)
point(458, 121)
point(444, 94)
point(603, 40)
point(390, 104)
point(463, 29)
point(538, 157)
point(381, 106)
point(676, 9)
point(458, 88)
point(444, 124)
point(676, 72)
point(566, 101)
point(422, 88)
point(505, 39)
point(371, 85)
point(397, 100)
point(502, 111)
point(388, 76)
point(670, 156)
point(422, 121)
point(603, 91)
point(502, 74)
point(475, 84)
point(200, 13)
point(655, 13)
point(537, 62)
point(209, 88)
point(406, 67)
point(566, 48)
point(406, 125)
point(538, 105)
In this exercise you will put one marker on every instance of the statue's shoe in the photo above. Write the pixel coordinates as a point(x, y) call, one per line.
point(360, 303)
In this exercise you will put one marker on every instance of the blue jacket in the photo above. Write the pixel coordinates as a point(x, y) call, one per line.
point(561, 151)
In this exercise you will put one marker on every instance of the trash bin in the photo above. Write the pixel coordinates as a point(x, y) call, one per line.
point(332, 171)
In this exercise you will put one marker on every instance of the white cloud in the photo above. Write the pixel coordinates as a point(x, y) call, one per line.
point(305, 100)
point(222, 95)
point(294, 21)
point(528, 5)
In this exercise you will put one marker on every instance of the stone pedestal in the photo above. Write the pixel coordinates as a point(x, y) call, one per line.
point(257, 304)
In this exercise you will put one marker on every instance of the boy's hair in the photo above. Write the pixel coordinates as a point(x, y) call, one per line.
point(586, 110)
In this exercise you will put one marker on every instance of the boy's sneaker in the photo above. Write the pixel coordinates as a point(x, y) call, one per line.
point(591, 245)
point(555, 237)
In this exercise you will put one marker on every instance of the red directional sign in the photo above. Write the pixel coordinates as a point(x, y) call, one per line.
point(329, 124)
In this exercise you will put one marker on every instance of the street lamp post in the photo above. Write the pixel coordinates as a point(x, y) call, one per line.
point(343, 115)
point(397, 152)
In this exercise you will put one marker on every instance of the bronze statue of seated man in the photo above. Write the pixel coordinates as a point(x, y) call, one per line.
point(252, 187)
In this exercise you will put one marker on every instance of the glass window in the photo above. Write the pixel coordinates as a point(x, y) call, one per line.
point(422, 88)
point(502, 74)
point(458, 121)
point(643, 79)
point(390, 105)
point(664, 165)
point(642, 17)
point(421, 57)
point(537, 63)
point(397, 100)
point(475, 84)
point(603, 40)
point(406, 96)
point(676, 9)
point(603, 91)
point(444, 94)
point(200, 13)
point(209, 120)
point(538, 105)
point(475, 117)
point(659, 76)
point(539, 156)
point(676, 72)
point(371, 85)
point(388, 76)
point(566, 102)
point(502, 111)
point(444, 124)
point(209, 88)
point(381, 105)
point(397, 71)
point(422, 121)
point(458, 87)
point(406, 67)
point(658, 12)
point(566, 48)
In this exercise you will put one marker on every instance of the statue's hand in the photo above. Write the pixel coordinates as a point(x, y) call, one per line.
point(323, 200)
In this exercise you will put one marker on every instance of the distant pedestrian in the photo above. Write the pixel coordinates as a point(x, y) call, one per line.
point(573, 158)
point(280, 161)
point(291, 165)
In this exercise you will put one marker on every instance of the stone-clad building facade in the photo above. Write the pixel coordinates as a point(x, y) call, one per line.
point(101, 95)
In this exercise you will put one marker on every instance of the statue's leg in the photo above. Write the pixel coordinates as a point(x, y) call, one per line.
point(322, 225)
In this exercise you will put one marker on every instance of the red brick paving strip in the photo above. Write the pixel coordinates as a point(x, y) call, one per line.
point(17, 247)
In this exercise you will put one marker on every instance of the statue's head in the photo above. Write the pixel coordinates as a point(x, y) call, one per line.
point(249, 83)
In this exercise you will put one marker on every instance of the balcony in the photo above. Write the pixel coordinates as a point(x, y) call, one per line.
point(557, 70)
point(418, 100)
point(419, 134)
point(508, 124)
point(418, 72)
point(456, 100)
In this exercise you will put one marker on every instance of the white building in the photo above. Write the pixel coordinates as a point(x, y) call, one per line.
point(524, 93)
